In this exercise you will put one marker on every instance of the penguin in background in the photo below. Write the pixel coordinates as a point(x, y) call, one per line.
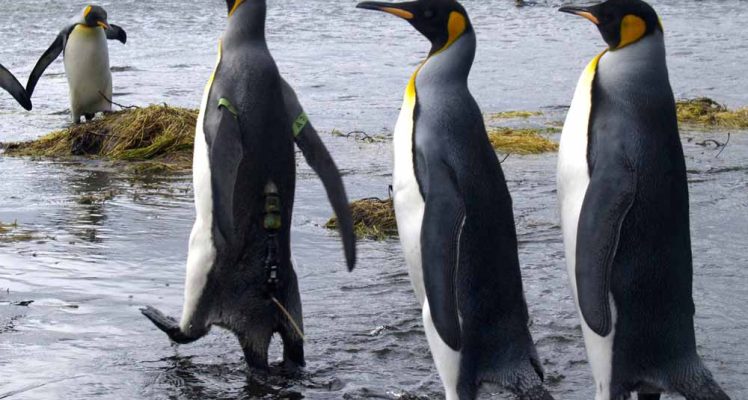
point(623, 195)
point(86, 57)
point(10, 84)
point(239, 271)
point(455, 218)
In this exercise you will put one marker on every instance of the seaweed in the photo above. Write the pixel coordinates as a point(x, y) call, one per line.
point(705, 112)
point(513, 115)
point(522, 141)
point(373, 218)
point(11, 233)
point(156, 132)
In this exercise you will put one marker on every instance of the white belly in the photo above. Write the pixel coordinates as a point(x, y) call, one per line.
point(409, 208)
point(202, 251)
point(87, 68)
point(409, 204)
point(573, 180)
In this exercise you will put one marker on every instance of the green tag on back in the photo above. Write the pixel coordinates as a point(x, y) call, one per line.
point(300, 123)
point(224, 102)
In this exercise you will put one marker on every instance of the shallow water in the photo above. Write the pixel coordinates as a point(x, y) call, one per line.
point(90, 266)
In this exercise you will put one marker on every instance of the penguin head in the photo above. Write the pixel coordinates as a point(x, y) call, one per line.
point(441, 21)
point(94, 16)
point(621, 22)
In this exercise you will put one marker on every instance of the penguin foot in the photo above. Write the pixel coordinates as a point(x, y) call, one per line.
point(169, 325)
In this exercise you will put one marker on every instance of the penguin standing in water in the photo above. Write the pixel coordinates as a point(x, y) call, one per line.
point(12, 86)
point(623, 194)
point(455, 219)
point(239, 270)
point(86, 59)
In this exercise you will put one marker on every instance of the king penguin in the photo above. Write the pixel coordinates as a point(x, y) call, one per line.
point(455, 219)
point(623, 195)
point(86, 59)
point(239, 270)
point(10, 84)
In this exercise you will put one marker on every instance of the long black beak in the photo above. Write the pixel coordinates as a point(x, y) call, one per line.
point(585, 12)
point(396, 9)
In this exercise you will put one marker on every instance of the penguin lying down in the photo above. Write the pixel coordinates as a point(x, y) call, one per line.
point(239, 271)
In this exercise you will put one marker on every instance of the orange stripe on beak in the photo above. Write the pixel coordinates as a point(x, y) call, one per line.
point(398, 12)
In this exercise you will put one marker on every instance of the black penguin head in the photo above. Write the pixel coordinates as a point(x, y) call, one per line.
point(621, 22)
point(441, 21)
point(95, 16)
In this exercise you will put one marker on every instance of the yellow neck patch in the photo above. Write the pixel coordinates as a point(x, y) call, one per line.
point(591, 69)
point(236, 5)
point(456, 27)
point(632, 29)
point(87, 11)
point(213, 74)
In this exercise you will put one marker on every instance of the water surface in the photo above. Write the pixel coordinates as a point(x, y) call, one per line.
point(90, 266)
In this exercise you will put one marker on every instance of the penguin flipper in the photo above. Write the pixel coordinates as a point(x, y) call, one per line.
point(9, 82)
point(226, 154)
point(50, 55)
point(441, 230)
point(319, 159)
point(115, 32)
point(609, 198)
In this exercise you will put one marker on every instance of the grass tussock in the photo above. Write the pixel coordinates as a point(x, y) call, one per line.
point(156, 132)
point(522, 141)
point(372, 218)
point(706, 112)
point(513, 115)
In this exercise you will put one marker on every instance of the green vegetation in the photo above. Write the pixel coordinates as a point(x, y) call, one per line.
point(372, 219)
point(156, 132)
point(512, 115)
point(522, 141)
point(706, 112)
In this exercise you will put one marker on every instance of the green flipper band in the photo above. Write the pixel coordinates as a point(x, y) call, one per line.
point(224, 102)
point(300, 123)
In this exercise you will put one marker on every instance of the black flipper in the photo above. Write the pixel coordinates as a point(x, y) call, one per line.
point(319, 159)
point(11, 84)
point(50, 55)
point(648, 396)
point(443, 220)
point(169, 325)
point(610, 196)
point(225, 159)
point(116, 32)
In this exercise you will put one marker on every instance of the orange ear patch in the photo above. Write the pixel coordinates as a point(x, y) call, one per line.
point(632, 29)
point(456, 27)
point(87, 11)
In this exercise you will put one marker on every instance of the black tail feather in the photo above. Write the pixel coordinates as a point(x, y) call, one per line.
point(167, 324)
point(695, 382)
